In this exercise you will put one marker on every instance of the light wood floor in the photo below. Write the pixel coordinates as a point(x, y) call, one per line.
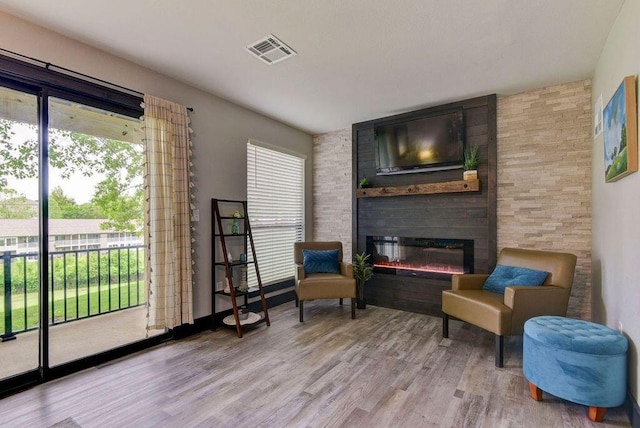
point(385, 369)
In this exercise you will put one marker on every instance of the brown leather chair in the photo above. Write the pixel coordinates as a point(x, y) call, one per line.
point(323, 285)
point(505, 314)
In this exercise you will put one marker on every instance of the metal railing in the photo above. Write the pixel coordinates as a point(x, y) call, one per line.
point(81, 284)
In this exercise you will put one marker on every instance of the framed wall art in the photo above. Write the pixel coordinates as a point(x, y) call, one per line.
point(621, 132)
point(597, 118)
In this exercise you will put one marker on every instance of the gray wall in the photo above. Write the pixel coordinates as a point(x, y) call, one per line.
point(221, 129)
point(616, 278)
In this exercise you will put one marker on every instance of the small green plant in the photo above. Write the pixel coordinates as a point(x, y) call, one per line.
point(362, 272)
point(471, 158)
point(364, 182)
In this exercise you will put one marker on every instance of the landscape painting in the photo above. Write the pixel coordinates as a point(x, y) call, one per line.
point(620, 132)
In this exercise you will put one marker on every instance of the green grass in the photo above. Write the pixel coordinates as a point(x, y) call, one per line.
point(619, 165)
point(86, 299)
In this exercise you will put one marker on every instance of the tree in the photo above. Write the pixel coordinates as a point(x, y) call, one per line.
point(124, 212)
point(59, 203)
point(15, 205)
point(62, 206)
point(623, 137)
point(119, 162)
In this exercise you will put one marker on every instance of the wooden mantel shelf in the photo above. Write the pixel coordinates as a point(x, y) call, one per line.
point(420, 189)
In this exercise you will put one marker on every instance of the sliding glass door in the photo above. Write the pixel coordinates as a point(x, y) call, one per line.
point(19, 233)
point(95, 242)
point(71, 210)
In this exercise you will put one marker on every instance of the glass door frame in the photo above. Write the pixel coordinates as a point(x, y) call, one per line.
point(44, 83)
point(35, 375)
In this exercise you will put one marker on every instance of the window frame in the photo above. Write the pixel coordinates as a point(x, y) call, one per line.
point(23, 76)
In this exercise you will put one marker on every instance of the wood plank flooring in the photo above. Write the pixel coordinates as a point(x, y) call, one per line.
point(387, 368)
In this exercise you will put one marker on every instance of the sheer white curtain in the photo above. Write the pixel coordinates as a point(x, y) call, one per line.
point(168, 271)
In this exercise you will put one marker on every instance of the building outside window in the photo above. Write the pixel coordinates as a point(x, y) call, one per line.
point(20, 236)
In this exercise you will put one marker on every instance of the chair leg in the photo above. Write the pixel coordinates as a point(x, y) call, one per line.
point(296, 300)
point(341, 301)
point(301, 317)
point(445, 325)
point(596, 414)
point(353, 308)
point(536, 393)
point(499, 351)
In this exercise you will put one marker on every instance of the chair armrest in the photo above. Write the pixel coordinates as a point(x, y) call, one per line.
point(346, 269)
point(299, 273)
point(468, 281)
point(528, 302)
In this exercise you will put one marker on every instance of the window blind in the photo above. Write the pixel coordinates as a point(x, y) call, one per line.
point(275, 205)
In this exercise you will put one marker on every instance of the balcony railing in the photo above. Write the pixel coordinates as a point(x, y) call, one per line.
point(81, 284)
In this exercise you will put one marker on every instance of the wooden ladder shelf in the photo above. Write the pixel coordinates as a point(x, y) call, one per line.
point(221, 225)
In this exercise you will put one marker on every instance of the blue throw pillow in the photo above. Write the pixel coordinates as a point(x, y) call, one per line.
point(320, 261)
point(504, 276)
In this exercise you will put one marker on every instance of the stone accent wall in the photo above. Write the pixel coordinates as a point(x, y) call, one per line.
point(332, 189)
point(544, 177)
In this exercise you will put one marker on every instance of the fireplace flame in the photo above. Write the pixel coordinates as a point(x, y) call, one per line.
point(429, 268)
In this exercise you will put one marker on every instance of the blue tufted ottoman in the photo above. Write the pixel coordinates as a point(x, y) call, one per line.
point(576, 360)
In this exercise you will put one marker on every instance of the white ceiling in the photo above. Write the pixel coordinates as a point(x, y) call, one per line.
point(357, 59)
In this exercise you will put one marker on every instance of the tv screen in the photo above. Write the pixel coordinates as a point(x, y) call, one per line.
point(429, 144)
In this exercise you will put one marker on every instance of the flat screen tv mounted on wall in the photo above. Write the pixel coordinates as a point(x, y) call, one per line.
point(432, 143)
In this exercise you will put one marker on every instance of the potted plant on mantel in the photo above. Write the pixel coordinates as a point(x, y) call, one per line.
point(362, 272)
point(471, 160)
point(364, 183)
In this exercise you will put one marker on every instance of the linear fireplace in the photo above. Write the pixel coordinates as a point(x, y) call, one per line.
point(420, 257)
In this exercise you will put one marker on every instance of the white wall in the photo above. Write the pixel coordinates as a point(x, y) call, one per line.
point(221, 128)
point(616, 229)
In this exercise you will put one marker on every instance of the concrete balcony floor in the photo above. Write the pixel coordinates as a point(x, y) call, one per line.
point(74, 340)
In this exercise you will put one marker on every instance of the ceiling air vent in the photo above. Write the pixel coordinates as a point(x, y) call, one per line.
point(270, 50)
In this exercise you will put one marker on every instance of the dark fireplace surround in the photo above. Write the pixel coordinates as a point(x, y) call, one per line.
point(428, 228)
